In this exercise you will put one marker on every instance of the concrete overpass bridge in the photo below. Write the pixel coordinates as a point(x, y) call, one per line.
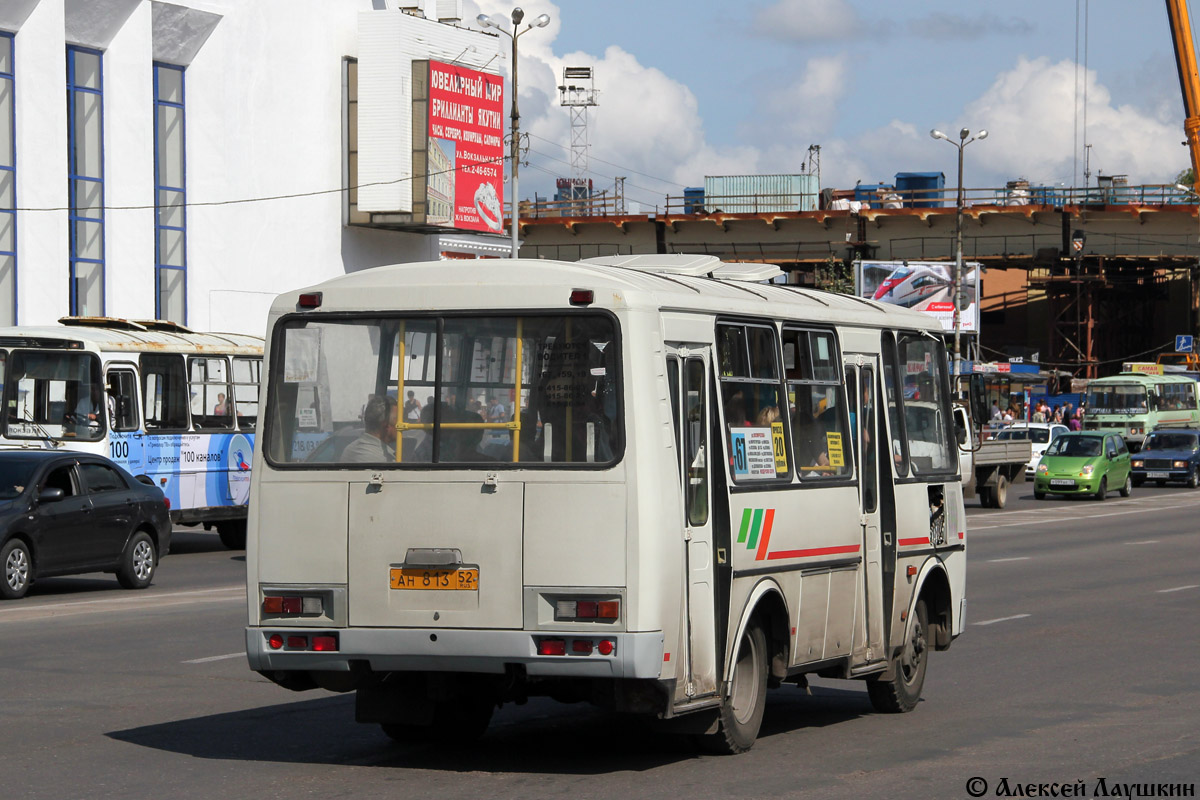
point(1132, 287)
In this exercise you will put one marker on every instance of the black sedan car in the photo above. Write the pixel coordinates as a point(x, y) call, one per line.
point(65, 513)
point(1168, 454)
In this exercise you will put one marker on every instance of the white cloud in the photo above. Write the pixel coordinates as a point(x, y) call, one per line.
point(648, 122)
point(943, 27)
point(1029, 112)
point(811, 21)
point(806, 107)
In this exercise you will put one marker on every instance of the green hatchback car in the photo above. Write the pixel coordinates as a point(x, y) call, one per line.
point(1084, 464)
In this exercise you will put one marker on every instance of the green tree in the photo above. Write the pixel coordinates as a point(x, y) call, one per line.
point(1187, 177)
point(834, 276)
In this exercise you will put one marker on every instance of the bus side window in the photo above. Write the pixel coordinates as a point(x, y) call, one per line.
point(246, 375)
point(818, 405)
point(751, 402)
point(122, 400)
point(892, 390)
point(164, 392)
point(210, 393)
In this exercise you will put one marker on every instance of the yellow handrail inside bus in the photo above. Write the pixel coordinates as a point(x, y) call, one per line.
point(513, 425)
point(400, 391)
point(516, 436)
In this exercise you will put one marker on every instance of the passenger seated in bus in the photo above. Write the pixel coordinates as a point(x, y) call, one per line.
point(735, 410)
point(377, 442)
point(221, 409)
point(766, 416)
point(812, 452)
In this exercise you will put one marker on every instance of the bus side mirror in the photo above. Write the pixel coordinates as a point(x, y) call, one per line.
point(978, 398)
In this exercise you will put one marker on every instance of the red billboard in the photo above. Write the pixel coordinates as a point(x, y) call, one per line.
point(466, 148)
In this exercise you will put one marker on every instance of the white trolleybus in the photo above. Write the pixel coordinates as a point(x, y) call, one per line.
point(653, 483)
point(171, 406)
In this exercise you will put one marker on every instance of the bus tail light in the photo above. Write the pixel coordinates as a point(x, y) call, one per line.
point(315, 642)
point(552, 647)
point(581, 646)
point(310, 300)
point(606, 647)
point(582, 297)
point(586, 609)
point(292, 605)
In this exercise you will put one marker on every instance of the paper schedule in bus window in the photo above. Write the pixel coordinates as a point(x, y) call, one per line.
point(753, 453)
point(301, 355)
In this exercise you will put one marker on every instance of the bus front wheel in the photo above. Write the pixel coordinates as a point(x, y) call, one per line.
point(742, 709)
point(903, 691)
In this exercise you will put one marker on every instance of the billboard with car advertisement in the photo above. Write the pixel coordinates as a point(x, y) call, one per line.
point(465, 159)
point(926, 286)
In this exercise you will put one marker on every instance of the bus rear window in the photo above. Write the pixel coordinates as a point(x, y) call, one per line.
point(471, 391)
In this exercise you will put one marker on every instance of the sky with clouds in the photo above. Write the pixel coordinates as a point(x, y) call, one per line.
point(688, 89)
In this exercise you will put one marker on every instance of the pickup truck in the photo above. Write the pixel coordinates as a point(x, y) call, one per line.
point(988, 468)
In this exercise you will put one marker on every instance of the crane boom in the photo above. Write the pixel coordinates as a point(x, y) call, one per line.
point(1189, 80)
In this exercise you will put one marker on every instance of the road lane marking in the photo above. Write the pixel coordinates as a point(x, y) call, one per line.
point(1001, 619)
point(128, 599)
point(1072, 518)
point(1145, 541)
point(1179, 588)
point(138, 602)
point(1002, 560)
point(213, 658)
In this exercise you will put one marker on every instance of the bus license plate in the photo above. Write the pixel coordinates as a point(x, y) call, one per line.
point(1158, 474)
point(436, 580)
point(1062, 482)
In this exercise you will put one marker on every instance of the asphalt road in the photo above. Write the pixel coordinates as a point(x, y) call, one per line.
point(1077, 664)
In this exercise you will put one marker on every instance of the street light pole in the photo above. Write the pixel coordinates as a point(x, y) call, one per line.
point(515, 153)
point(962, 142)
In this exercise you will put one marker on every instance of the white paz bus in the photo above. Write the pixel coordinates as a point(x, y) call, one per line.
point(649, 482)
point(173, 407)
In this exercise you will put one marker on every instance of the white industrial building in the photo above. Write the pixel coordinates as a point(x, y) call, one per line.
point(191, 160)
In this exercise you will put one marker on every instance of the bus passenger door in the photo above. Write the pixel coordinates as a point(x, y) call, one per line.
point(691, 415)
point(861, 389)
point(126, 442)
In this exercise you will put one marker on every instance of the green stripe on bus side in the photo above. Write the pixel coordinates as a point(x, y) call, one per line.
point(756, 528)
point(745, 526)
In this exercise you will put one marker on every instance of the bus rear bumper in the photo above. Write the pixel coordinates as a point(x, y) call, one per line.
point(633, 655)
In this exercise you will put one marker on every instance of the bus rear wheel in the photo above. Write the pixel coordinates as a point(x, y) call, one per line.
point(233, 533)
point(742, 710)
point(903, 691)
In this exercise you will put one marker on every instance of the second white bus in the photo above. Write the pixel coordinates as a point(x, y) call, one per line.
point(172, 406)
point(653, 483)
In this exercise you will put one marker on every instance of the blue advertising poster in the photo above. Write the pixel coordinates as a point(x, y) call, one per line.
point(194, 470)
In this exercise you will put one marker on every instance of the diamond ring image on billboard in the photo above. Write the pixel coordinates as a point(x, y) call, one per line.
point(488, 205)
